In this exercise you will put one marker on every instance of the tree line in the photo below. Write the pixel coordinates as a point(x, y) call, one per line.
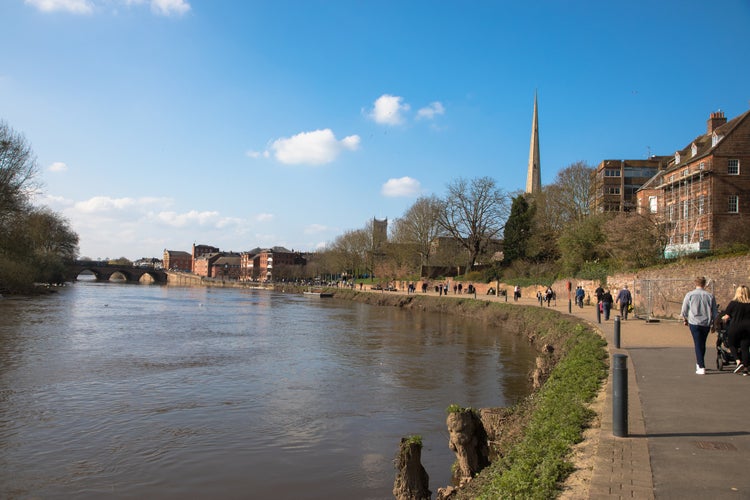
point(35, 242)
point(480, 229)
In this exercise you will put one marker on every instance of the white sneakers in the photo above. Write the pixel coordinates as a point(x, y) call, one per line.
point(699, 370)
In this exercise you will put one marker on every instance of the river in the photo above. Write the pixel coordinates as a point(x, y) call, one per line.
point(145, 391)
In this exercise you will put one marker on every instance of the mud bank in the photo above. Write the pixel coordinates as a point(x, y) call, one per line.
point(569, 351)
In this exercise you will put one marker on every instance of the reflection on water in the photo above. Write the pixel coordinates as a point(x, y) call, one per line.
point(147, 391)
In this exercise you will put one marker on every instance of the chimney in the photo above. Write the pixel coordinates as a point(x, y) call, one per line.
point(716, 120)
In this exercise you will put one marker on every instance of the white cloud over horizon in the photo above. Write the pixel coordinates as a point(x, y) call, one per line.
point(402, 187)
point(135, 227)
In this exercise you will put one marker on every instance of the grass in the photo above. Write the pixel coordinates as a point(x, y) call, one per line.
point(534, 467)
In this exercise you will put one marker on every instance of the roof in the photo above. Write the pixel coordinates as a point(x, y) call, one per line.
point(704, 142)
point(178, 253)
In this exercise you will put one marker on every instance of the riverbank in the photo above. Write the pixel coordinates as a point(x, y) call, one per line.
point(533, 441)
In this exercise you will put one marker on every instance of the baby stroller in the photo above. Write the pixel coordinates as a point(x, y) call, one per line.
point(724, 355)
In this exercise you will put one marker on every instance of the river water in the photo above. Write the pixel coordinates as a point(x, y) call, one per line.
point(137, 391)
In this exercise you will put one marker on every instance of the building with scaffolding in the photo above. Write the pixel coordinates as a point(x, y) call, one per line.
point(702, 195)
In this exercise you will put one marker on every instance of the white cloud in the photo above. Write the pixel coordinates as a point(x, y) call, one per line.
point(105, 204)
point(315, 229)
point(170, 7)
point(429, 112)
point(257, 154)
point(264, 217)
point(72, 6)
point(192, 217)
point(312, 148)
point(58, 166)
point(403, 187)
point(389, 110)
point(159, 7)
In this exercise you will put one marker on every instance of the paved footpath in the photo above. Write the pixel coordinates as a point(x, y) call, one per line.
point(688, 435)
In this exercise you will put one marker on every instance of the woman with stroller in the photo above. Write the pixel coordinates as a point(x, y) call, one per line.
point(738, 315)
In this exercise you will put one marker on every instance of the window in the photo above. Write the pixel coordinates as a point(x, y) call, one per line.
point(715, 138)
point(685, 172)
point(685, 209)
point(671, 178)
point(671, 212)
point(677, 157)
point(613, 190)
point(702, 165)
point(652, 204)
point(701, 201)
point(685, 238)
point(701, 235)
point(734, 204)
point(694, 149)
point(611, 173)
point(733, 167)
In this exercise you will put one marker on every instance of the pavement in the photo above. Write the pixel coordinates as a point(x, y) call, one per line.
point(688, 435)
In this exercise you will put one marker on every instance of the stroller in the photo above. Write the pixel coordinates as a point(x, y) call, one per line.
point(724, 355)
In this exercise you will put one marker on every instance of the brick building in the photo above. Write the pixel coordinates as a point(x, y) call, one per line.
point(258, 264)
point(702, 196)
point(201, 250)
point(615, 182)
point(177, 260)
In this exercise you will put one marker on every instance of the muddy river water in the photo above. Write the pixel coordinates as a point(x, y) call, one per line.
point(136, 391)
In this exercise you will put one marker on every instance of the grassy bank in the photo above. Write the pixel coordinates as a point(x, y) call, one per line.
point(533, 458)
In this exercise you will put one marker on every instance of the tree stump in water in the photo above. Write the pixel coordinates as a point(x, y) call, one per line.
point(468, 440)
point(412, 481)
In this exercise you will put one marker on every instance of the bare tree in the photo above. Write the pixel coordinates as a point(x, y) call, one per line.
point(569, 196)
point(420, 226)
point(474, 213)
point(17, 170)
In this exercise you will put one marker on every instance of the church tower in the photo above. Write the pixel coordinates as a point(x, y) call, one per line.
point(534, 175)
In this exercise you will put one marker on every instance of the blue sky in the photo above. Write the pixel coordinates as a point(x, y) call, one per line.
point(162, 123)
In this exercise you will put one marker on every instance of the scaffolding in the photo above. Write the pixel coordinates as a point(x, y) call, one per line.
point(688, 207)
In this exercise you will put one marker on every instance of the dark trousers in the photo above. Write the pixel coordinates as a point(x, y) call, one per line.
point(700, 334)
point(740, 339)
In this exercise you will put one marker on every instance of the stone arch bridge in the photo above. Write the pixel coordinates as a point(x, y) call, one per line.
point(104, 271)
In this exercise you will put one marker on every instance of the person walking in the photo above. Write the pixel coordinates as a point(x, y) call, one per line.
point(738, 315)
point(606, 304)
point(624, 299)
point(580, 295)
point(698, 312)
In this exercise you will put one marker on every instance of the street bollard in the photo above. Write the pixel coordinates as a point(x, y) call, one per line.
point(617, 332)
point(620, 395)
point(598, 313)
point(570, 307)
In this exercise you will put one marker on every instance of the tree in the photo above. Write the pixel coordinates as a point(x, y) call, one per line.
point(35, 243)
point(569, 196)
point(582, 242)
point(419, 226)
point(17, 170)
point(517, 230)
point(474, 213)
point(634, 240)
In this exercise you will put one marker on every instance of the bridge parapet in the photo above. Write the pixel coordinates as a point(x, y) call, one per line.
point(104, 271)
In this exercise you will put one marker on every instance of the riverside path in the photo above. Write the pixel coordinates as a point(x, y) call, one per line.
point(688, 435)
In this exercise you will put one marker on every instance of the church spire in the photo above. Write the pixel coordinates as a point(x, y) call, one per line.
point(534, 175)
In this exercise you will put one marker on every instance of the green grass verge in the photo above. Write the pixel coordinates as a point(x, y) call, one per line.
point(535, 466)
